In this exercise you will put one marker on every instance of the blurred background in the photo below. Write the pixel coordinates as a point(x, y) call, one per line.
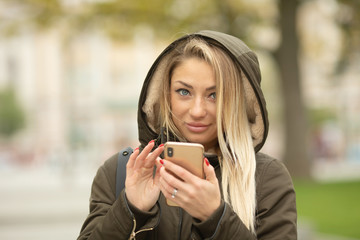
point(70, 76)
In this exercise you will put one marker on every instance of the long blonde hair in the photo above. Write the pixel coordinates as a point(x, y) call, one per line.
point(235, 150)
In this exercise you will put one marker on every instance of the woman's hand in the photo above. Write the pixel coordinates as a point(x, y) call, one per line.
point(198, 197)
point(141, 188)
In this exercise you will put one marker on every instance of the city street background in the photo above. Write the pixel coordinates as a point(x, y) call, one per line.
point(71, 72)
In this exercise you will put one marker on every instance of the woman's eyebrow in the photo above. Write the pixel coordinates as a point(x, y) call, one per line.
point(189, 86)
point(211, 88)
point(185, 84)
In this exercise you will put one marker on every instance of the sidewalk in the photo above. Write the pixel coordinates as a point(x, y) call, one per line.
point(306, 232)
point(42, 204)
point(47, 204)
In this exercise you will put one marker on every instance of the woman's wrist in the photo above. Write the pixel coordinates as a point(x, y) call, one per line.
point(137, 207)
point(211, 212)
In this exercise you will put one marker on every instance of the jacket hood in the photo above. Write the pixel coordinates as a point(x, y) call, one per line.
point(149, 107)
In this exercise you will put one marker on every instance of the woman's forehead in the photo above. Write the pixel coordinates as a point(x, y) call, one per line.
point(194, 72)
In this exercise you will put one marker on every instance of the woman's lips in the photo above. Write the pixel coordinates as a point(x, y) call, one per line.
point(197, 127)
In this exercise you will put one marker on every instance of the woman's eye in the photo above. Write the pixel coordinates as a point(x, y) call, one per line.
point(213, 95)
point(183, 92)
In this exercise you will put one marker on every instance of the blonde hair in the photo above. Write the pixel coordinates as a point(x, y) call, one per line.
point(236, 151)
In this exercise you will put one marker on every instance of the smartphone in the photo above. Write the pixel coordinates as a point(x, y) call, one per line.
point(187, 155)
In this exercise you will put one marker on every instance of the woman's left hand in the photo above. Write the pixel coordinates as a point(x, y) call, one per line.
point(198, 197)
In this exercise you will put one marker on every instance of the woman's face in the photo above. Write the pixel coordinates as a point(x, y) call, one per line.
point(193, 102)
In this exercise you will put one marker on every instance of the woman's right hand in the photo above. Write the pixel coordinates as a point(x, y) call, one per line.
point(141, 188)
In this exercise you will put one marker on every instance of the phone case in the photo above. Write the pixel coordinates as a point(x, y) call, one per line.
point(187, 155)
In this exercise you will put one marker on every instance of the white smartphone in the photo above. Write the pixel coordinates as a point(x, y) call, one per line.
point(187, 155)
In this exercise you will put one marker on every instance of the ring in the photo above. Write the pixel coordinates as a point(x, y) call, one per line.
point(174, 193)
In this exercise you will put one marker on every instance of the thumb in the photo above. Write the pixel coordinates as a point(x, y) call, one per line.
point(209, 171)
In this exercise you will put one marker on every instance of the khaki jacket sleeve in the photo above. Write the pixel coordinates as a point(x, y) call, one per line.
point(111, 218)
point(223, 224)
point(276, 211)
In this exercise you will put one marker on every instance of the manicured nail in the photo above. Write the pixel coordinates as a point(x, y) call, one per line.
point(207, 162)
point(162, 161)
point(151, 141)
point(161, 145)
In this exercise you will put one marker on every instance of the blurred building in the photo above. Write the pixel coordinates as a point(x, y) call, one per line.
point(80, 94)
point(80, 91)
point(332, 93)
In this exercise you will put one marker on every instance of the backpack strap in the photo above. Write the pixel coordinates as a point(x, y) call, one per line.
point(123, 158)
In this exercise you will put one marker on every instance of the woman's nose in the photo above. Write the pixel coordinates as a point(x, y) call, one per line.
point(198, 108)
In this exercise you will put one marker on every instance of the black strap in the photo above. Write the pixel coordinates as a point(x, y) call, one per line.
point(121, 169)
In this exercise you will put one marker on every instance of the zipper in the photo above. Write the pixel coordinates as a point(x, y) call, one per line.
point(143, 230)
point(133, 233)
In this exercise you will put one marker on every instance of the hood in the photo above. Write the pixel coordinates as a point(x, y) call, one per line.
point(148, 108)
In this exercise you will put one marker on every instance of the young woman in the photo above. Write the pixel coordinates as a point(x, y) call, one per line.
point(204, 88)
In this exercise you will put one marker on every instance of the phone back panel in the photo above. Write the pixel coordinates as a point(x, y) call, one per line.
point(187, 155)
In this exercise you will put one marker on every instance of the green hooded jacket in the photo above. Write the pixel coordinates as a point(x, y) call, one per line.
point(276, 216)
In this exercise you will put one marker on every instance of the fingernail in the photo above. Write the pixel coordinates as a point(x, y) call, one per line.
point(207, 162)
point(161, 145)
point(162, 161)
point(151, 141)
point(136, 149)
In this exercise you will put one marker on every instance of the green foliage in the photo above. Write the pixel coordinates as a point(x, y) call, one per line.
point(12, 117)
point(30, 13)
point(120, 19)
point(319, 116)
point(333, 207)
point(172, 16)
point(348, 19)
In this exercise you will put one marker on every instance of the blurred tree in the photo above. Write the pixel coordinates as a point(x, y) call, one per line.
point(121, 19)
point(12, 117)
point(348, 19)
point(296, 153)
point(18, 14)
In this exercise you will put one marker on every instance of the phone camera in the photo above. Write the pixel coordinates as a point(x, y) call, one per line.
point(170, 151)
